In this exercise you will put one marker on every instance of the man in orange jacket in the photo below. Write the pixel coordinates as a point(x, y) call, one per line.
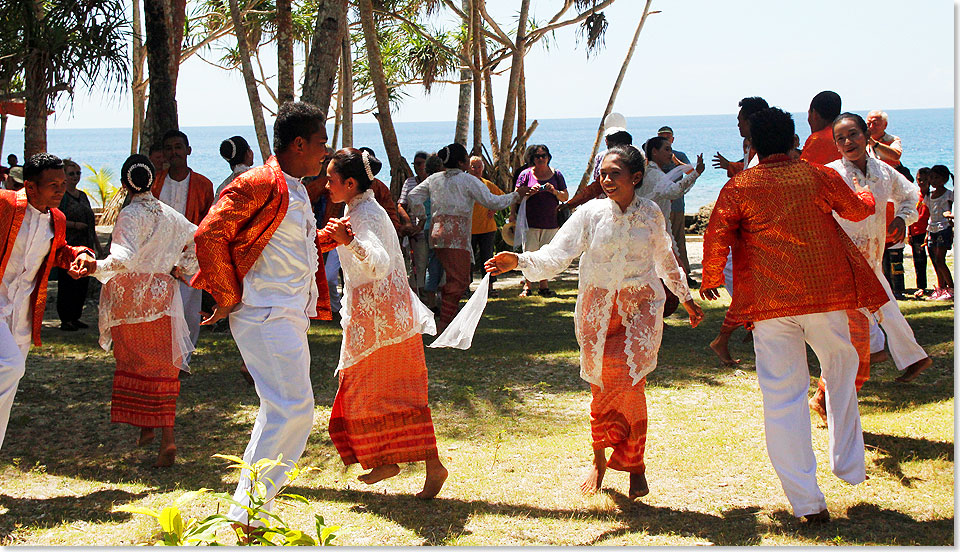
point(33, 233)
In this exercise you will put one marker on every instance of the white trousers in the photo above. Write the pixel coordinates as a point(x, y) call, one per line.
point(331, 269)
point(728, 273)
point(273, 343)
point(903, 345)
point(191, 298)
point(13, 358)
point(784, 380)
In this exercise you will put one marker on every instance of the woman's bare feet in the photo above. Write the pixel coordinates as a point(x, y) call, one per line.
point(914, 370)
point(168, 449)
point(638, 485)
point(147, 435)
point(379, 473)
point(720, 346)
point(436, 476)
point(818, 404)
point(594, 478)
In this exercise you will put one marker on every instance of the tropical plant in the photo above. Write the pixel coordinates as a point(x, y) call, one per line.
point(102, 181)
point(174, 531)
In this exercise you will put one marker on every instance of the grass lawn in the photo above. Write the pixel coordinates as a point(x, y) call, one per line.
point(512, 424)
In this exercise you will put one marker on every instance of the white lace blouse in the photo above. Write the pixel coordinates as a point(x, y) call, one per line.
point(624, 255)
point(886, 184)
point(661, 190)
point(379, 308)
point(150, 238)
point(452, 194)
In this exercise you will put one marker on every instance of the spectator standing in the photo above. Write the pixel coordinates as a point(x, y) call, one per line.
point(157, 158)
point(484, 229)
point(918, 234)
point(80, 231)
point(678, 222)
point(820, 147)
point(416, 253)
point(14, 180)
point(940, 230)
point(537, 221)
point(237, 153)
point(883, 145)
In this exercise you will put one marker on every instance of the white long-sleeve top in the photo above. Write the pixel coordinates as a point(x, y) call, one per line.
point(150, 238)
point(661, 190)
point(379, 308)
point(886, 184)
point(624, 254)
point(452, 194)
point(30, 248)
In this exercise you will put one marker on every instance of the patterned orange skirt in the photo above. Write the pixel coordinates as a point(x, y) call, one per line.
point(380, 415)
point(146, 384)
point(618, 412)
point(859, 326)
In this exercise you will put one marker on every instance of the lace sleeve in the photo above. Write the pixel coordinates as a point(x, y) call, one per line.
point(551, 259)
point(123, 249)
point(482, 195)
point(903, 193)
point(368, 248)
point(666, 262)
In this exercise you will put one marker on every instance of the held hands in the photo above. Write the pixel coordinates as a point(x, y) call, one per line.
point(340, 230)
point(504, 261)
point(719, 161)
point(82, 266)
point(695, 312)
point(710, 294)
point(219, 313)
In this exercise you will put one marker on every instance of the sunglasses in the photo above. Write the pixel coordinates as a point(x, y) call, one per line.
point(541, 156)
point(73, 173)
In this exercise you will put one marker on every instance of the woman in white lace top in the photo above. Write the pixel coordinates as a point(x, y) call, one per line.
point(452, 194)
point(624, 252)
point(141, 314)
point(380, 416)
point(656, 186)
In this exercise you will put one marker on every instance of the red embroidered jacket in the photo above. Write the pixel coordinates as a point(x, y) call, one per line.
point(199, 195)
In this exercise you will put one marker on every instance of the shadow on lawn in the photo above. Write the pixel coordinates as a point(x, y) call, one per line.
point(894, 450)
point(95, 507)
point(868, 524)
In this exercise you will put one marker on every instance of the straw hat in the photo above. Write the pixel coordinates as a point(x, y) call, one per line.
point(508, 233)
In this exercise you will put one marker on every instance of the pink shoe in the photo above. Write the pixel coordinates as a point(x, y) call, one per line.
point(947, 295)
point(935, 294)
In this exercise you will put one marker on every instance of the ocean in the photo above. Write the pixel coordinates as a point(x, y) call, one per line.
point(927, 134)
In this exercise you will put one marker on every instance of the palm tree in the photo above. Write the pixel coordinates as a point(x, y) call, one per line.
point(102, 184)
point(55, 45)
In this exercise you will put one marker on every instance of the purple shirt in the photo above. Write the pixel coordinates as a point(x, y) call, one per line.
point(542, 206)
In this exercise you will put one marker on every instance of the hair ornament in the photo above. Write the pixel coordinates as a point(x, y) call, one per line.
point(366, 164)
point(129, 177)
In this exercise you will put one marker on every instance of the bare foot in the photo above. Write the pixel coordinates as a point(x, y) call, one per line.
point(822, 516)
point(167, 456)
point(436, 476)
point(879, 356)
point(594, 478)
point(914, 370)
point(720, 347)
point(379, 473)
point(818, 404)
point(147, 435)
point(638, 485)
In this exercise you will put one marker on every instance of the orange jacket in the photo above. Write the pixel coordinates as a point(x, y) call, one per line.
point(199, 195)
point(790, 256)
point(13, 207)
point(232, 236)
point(820, 147)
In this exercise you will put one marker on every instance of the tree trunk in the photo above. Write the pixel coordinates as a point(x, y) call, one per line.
point(256, 108)
point(463, 108)
point(284, 51)
point(399, 169)
point(521, 107)
point(613, 95)
point(321, 71)
point(477, 78)
point(516, 68)
point(137, 86)
point(3, 132)
point(37, 97)
point(163, 63)
point(337, 119)
point(488, 99)
point(346, 108)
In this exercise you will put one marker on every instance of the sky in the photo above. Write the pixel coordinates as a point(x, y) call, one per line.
point(696, 57)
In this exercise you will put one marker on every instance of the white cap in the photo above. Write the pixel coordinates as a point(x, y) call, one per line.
point(614, 120)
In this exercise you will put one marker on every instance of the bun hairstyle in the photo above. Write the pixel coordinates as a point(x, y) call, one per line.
point(359, 165)
point(453, 155)
point(655, 143)
point(234, 150)
point(630, 156)
point(857, 120)
point(137, 173)
point(942, 171)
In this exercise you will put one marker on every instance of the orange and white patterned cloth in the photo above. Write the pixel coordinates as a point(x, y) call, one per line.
point(146, 383)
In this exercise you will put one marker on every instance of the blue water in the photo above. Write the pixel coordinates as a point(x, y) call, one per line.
point(927, 134)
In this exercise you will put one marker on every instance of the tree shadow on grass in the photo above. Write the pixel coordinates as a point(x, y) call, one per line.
point(868, 524)
point(895, 449)
point(96, 507)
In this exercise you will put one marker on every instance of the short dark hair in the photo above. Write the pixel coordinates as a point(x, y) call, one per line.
point(654, 143)
point(39, 162)
point(174, 133)
point(156, 147)
point(453, 155)
point(619, 138)
point(14, 159)
point(826, 104)
point(771, 131)
point(630, 156)
point(532, 150)
point(857, 120)
point(433, 164)
point(752, 104)
point(420, 155)
point(348, 163)
point(296, 120)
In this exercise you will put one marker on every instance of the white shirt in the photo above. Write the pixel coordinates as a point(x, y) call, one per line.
point(661, 190)
point(285, 273)
point(237, 171)
point(174, 192)
point(938, 206)
point(30, 248)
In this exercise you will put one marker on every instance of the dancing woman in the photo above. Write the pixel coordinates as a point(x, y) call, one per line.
point(141, 313)
point(380, 416)
point(625, 251)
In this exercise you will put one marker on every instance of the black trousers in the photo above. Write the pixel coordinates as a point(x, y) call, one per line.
point(893, 270)
point(919, 260)
point(482, 251)
point(70, 296)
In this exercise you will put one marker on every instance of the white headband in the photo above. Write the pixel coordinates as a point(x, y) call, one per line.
point(129, 176)
point(233, 149)
point(366, 164)
point(444, 154)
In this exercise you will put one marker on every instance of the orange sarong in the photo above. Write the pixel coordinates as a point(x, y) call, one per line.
point(146, 382)
point(860, 338)
point(618, 412)
point(380, 415)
